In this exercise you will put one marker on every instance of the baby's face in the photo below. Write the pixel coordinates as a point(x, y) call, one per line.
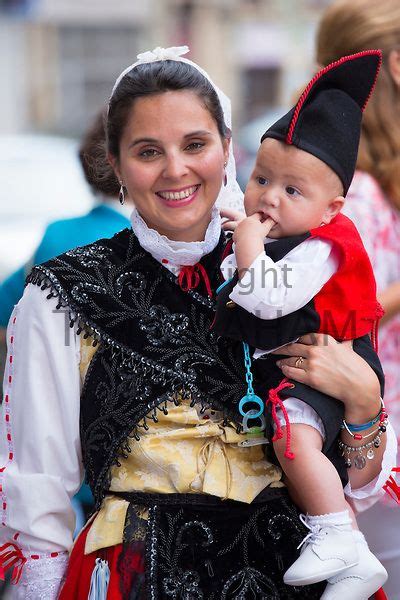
point(292, 187)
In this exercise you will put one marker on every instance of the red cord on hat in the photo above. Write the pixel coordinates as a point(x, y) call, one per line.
point(301, 101)
point(190, 276)
point(275, 400)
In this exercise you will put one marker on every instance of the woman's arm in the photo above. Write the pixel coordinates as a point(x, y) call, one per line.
point(40, 451)
point(390, 300)
point(336, 370)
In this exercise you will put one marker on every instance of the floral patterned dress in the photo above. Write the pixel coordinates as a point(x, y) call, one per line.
point(379, 225)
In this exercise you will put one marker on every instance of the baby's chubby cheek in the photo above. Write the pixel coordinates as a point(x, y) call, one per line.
point(250, 206)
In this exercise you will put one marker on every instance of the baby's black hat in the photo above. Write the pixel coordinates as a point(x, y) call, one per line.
point(326, 121)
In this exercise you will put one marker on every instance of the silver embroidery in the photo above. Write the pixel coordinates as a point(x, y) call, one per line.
point(90, 256)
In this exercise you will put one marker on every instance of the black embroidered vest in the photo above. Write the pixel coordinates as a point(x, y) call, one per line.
point(154, 340)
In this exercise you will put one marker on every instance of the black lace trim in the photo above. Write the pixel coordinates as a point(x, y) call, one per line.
point(153, 344)
point(135, 364)
point(44, 278)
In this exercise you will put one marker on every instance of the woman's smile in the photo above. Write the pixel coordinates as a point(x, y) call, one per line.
point(178, 198)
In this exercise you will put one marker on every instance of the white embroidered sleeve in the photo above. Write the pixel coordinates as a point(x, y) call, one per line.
point(41, 579)
point(40, 454)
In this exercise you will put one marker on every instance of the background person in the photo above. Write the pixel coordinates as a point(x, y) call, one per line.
point(373, 203)
point(105, 219)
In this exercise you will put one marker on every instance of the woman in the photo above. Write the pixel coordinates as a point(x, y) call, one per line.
point(188, 505)
point(373, 203)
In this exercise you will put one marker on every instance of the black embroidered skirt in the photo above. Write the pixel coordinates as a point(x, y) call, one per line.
point(199, 547)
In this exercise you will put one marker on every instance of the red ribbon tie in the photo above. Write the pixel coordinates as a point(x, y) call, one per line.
point(11, 557)
point(190, 277)
point(275, 400)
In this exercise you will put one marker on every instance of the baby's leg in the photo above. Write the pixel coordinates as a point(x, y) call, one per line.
point(332, 550)
point(312, 480)
point(314, 484)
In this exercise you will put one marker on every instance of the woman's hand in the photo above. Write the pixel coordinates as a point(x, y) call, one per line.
point(232, 218)
point(336, 370)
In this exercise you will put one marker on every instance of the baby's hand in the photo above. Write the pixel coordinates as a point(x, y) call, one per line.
point(255, 226)
point(233, 218)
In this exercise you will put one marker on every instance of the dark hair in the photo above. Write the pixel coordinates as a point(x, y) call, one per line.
point(93, 158)
point(156, 78)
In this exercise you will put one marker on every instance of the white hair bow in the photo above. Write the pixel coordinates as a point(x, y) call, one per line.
point(158, 53)
point(173, 53)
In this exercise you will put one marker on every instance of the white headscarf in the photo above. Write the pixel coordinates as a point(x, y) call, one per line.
point(230, 196)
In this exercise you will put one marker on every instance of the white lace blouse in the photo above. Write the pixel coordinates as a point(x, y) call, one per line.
point(40, 452)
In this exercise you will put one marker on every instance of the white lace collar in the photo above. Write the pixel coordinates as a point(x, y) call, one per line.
point(176, 253)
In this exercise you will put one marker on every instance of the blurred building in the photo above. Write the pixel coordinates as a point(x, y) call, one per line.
point(61, 57)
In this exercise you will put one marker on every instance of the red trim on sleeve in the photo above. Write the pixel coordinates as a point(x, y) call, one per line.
point(7, 418)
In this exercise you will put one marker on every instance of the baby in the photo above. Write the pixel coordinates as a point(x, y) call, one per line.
point(320, 280)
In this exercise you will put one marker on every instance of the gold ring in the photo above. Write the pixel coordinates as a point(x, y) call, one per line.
point(299, 361)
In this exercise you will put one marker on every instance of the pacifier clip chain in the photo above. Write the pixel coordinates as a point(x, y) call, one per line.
point(251, 407)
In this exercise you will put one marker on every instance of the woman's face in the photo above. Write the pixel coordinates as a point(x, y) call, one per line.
point(172, 163)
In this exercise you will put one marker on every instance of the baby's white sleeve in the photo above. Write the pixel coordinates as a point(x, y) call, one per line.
point(270, 290)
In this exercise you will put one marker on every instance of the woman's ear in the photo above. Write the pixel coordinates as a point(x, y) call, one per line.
point(334, 207)
point(226, 145)
point(394, 65)
point(115, 165)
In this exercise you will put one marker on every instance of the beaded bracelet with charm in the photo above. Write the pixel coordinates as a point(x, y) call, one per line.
point(354, 430)
point(360, 460)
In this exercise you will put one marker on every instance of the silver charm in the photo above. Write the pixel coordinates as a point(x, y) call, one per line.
point(360, 462)
point(360, 459)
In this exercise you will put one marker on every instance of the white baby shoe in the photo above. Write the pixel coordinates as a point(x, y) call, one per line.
point(326, 551)
point(358, 582)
